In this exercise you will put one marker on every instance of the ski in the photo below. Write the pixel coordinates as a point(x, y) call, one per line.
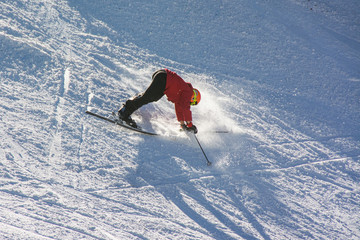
point(120, 123)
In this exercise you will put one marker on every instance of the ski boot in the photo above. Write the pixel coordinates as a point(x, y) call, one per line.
point(124, 116)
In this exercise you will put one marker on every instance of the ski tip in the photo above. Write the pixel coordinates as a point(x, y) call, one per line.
point(209, 163)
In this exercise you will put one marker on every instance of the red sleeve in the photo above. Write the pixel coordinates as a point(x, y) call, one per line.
point(182, 107)
point(183, 113)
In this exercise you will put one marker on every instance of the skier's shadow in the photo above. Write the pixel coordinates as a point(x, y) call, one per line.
point(173, 194)
point(177, 186)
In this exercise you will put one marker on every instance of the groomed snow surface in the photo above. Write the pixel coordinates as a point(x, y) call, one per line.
point(283, 77)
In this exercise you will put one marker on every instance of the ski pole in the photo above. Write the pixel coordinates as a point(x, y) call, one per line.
point(207, 160)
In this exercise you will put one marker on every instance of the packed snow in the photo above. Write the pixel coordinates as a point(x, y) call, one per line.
point(280, 78)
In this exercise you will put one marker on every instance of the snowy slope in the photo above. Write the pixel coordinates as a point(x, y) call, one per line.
point(282, 77)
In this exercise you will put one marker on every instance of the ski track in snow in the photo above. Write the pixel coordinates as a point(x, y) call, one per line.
point(282, 78)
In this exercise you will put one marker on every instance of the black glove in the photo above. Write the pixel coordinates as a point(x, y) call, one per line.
point(190, 128)
point(193, 129)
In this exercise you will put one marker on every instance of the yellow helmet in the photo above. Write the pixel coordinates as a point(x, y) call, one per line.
point(196, 97)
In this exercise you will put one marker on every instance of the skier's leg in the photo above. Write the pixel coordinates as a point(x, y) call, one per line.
point(152, 94)
point(156, 89)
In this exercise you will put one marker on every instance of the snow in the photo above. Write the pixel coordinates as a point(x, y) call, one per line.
point(281, 77)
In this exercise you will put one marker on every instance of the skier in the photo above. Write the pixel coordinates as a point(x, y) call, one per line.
point(165, 82)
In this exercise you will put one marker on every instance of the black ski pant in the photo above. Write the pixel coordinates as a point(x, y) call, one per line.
point(152, 94)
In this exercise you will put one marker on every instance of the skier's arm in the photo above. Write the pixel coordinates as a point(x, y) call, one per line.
point(183, 113)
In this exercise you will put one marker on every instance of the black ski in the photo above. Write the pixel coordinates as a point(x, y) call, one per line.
point(121, 124)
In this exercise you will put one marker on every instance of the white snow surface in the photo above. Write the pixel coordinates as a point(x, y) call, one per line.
point(283, 77)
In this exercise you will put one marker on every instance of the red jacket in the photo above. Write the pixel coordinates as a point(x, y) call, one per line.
point(179, 92)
